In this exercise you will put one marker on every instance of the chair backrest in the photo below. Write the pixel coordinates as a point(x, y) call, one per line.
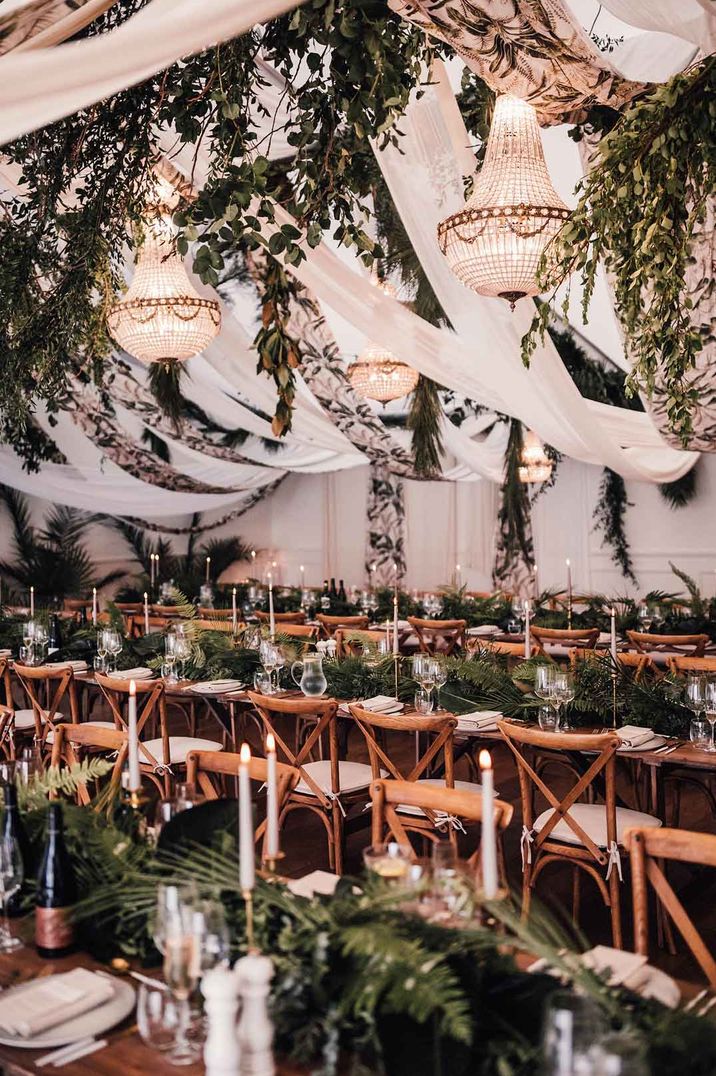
point(298, 631)
point(330, 624)
point(511, 650)
point(5, 681)
point(648, 848)
point(585, 638)
point(207, 612)
point(214, 625)
point(438, 729)
point(438, 636)
point(7, 742)
point(69, 737)
point(523, 741)
point(129, 607)
point(137, 624)
point(323, 713)
point(388, 796)
point(58, 682)
point(172, 612)
point(150, 703)
point(298, 617)
point(351, 644)
point(685, 645)
point(627, 659)
point(681, 666)
point(76, 605)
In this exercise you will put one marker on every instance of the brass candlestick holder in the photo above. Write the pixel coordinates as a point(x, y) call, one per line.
point(569, 614)
point(248, 895)
point(269, 867)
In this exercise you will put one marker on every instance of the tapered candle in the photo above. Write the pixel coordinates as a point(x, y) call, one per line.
point(528, 641)
point(395, 626)
point(234, 619)
point(613, 634)
point(151, 569)
point(302, 570)
point(94, 605)
point(146, 613)
point(488, 848)
point(135, 779)
point(457, 575)
point(372, 573)
point(32, 602)
point(272, 618)
point(536, 583)
point(271, 799)
point(208, 568)
point(569, 580)
point(246, 823)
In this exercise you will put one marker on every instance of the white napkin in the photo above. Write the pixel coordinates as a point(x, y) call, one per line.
point(381, 704)
point(217, 687)
point(140, 673)
point(484, 629)
point(52, 1000)
point(477, 720)
point(634, 735)
point(315, 882)
point(620, 964)
point(76, 666)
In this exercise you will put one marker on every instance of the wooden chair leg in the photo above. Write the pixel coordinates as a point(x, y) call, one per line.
point(615, 909)
point(338, 837)
point(526, 890)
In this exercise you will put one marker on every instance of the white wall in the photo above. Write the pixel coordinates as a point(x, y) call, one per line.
point(319, 521)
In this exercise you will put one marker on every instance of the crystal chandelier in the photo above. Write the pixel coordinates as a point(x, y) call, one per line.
point(161, 317)
point(494, 244)
point(535, 464)
point(377, 374)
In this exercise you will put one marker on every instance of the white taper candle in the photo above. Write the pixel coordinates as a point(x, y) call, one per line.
point(32, 602)
point(94, 605)
point(246, 823)
point(135, 779)
point(271, 799)
point(396, 648)
point(528, 641)
point(272, 616)
point(234, 618)
point(146, 613)
point(489, 840)
point(613, 633)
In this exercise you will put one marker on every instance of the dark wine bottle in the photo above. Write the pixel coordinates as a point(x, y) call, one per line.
point(56, 891)
point(54, 635)
point(333, 591)
point(13, 829)
point(342, 592)
point(325, 597)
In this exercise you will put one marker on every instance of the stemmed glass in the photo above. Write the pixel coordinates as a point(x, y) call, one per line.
point(170, 644)
point(28, 638)
point(182, 652)
point(11, 876)
point(113, 642)
point(40, 639)
point(102, 649)
point(696, 699)
point(710, 708)
point(422, 672)
point(268, 655)
point(438, 678)
point(645, 617)
point(544, 683)
point(562, 693)
point(181, 973)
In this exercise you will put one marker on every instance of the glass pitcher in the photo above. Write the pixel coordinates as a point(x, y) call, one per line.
point(312, 680)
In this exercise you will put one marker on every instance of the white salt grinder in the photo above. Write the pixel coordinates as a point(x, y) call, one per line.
point(222, 1050)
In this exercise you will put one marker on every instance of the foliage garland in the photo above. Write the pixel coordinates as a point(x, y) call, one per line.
point(639, 210)
point(609, 518)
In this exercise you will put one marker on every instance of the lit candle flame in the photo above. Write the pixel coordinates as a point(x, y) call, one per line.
point(485, 760)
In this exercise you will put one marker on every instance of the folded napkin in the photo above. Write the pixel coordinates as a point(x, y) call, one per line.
point(140, 673)
point(76, 666)
point(634, 735)
point(216, 686)
point(484, 629)
point(381, 704)
point(477, 720)
point(52, 1000)
point(315, 882)
point(620, 964)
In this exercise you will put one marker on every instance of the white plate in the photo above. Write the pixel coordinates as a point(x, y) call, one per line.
point(648, 745)
point(94, 1022)
point(216, 687)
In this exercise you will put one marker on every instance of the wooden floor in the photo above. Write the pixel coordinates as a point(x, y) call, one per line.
point(305, 847)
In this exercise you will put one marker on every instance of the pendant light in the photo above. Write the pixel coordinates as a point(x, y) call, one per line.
point(377, 374)
point(495, 243)
point(535, 465)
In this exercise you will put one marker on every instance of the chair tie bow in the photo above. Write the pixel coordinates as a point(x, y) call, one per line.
point(615, 860)
point(526, 842)
point(449, 821)
point(335, 797)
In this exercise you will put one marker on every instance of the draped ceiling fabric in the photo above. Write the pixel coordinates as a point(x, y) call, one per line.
point(385, 546)
point(533, 50)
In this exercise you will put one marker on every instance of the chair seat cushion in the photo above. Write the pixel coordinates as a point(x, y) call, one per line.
point(592, 817)
point(352, 776)
point(179, 748)
point(25, 719)
point(437, 782)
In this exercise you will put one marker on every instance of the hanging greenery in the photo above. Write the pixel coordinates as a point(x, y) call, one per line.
point(609, 519)
point(640, 207)
point(681, 491)
point(424, 420)
point(515, 551)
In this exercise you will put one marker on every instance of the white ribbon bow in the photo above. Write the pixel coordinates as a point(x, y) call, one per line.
point(526, 842)
point(445, 821)
point(615, 860)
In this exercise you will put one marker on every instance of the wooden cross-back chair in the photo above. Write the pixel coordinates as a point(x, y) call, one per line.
point(215, 625)
point(648, 849)
point(170, 612)
point(351, 644)
point(71, 741)
point(158, 755)
point(329, 625)
point(584, 638)
point(390, 798)
point(438, 734)
point(510, 650)
point(7, 740)
point(685, 645)
point(640, 663)
point(155, 623)
point(438, 636)
point(208, 612)
point(201, 766)
point(299, 617)
point(586, 836)
point(57, 682)
point(326, 787)
point(683, 666)
point(305, 632)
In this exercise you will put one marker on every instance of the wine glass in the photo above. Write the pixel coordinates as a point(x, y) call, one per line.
point(268, 654)
point(102, 649)
point(421, 669)
point(212, 935)
point(182, 649)
point(174, 904)
point(280, 660)
point(11, 876)
point(645, 617)
point(40, 639)
point(438, 678)
point(710, 708)
point(28, 638)
point(545, 687)
point(181, 972)
point(695, 693)
point(562, 693)
point(114, 645)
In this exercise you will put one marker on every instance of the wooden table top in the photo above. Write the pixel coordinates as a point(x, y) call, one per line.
point(126, 1054)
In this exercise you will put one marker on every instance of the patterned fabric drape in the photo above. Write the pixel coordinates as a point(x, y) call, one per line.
point(386, 526)
point(253, 499)
point(534, 49)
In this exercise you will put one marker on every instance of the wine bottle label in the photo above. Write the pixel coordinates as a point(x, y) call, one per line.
point(53, 929)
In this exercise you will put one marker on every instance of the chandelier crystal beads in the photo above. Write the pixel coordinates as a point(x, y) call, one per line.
point(494, 244)
point(161, 317)
point(377, 374)
point(535, 465)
